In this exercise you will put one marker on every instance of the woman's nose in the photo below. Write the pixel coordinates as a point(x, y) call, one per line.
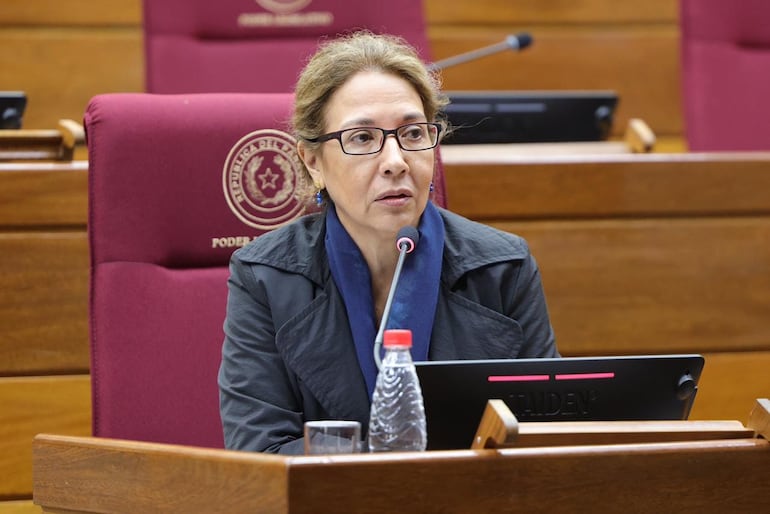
point(392, 156)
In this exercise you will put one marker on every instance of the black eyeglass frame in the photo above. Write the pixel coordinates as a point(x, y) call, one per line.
point(385, 133)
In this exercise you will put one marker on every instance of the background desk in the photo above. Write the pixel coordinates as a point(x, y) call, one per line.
point(639, 254)
point(51, 49)
point(655, 253)
point(44, 382)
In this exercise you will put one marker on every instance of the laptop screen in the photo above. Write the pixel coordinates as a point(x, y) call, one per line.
point(624, 388)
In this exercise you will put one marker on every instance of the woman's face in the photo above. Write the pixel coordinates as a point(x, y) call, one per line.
point(377, 194)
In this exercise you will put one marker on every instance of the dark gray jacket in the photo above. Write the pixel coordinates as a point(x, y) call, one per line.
point(288, 355)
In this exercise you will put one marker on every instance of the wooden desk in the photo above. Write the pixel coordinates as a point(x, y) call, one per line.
point(497, 182)
point(44, 383)
point(653, 253)
point(639, 254)
point(88, 475)
point(43, 267)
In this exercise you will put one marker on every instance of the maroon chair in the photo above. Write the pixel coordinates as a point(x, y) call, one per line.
point(725, 62)
point(176, 183)
point(200, 46)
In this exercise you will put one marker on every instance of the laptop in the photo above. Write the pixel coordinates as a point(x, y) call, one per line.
point(479, 117)
point(618, 388)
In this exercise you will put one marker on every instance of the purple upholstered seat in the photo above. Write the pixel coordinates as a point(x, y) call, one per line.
point(200, 46)
point(176, 184)
point(725, 51)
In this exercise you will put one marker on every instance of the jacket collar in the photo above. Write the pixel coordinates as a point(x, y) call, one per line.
point(299, 248)
point(296, 248)
point(469, 245)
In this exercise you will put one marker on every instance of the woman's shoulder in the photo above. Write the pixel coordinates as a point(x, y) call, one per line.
point(468, 238)
point(285, 246)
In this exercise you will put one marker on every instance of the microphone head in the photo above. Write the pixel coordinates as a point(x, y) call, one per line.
point(407, 239)
point(520, 41)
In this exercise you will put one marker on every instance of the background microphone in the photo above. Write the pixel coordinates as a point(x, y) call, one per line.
point(516, 42)
point(406, 241)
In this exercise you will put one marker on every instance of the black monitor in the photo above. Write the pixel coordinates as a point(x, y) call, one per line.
point(478, 117)
point(12, 105)
point(627, 388)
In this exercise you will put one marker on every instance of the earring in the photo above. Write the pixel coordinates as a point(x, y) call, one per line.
point(319, 199)
point(432, 187)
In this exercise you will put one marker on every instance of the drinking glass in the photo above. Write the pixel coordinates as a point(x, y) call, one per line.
point(332, 436)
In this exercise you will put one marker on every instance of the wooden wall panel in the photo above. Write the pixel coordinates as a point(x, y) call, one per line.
point(640, 64)
point(502, 185)
point(506, 12)
point(19, 507)
point(61, 69)
point(43, 302)
point(52, 50)
point(43, 194)
point(57, 13)
point(629, 47)
point(33, 405)
point(43, 268)
point(654, 285)
point(729, 385)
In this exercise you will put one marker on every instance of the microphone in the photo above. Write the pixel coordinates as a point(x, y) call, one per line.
point(406, 241)
point(515, 42)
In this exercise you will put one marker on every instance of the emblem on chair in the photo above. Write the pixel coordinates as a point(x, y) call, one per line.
point(260, 178)
point(283, 6)
point(283, 14)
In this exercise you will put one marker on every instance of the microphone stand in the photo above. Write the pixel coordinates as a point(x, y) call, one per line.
point(402, 251)
point(511, 42)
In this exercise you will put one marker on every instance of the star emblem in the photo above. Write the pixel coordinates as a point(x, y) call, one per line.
point(268, 179)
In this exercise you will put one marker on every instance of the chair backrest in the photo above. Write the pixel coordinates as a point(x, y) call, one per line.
point(725, 62)
point(176, 183)
point(199, 46)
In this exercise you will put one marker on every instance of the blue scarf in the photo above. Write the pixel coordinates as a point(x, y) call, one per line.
point(414, 303)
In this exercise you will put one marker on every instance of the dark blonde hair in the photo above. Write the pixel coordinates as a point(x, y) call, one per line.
point(337, 60)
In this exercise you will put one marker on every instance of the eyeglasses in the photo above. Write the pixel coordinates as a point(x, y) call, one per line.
point(411, 137)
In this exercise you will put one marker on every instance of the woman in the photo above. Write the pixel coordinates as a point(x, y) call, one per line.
point(305, 301)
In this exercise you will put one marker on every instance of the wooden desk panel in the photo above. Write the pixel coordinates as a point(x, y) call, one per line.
point(497, 184)
point(654, 285)
point(43, 268)
point(666, 252)
point(639, 253)
point(43, 194)
point(43, 302)
point(89, 475)
point(728, 379)
point(31, 405)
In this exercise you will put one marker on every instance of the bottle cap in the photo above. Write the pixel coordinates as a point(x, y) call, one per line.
point(397, 337)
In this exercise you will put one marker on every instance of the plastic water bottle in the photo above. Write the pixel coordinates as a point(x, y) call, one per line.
point(397, 422)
